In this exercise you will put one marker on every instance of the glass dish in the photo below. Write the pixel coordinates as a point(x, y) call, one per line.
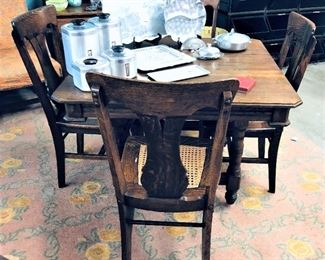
point(140, 19)
point(193, 44)
point(184, 19)
point(208, 53)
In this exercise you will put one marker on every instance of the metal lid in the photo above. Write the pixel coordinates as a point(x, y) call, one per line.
point(119, 52)
point(76, 26)
point(233, 37)
point(103, 20)
point(90, 63)
point(103, 17)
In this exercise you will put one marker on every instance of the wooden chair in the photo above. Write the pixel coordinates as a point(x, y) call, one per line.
point(300, 41)
point(162, 109)
point(36, 33)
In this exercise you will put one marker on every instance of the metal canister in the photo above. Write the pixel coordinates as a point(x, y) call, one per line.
point(122, 61)
point(109, 31)
point(80, 39)
point(82, 66)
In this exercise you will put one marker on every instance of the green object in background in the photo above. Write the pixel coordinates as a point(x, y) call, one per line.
point(75, 2)
point(31, 4)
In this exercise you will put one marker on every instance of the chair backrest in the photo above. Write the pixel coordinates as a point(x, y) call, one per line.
point(162, 109)
point(214, 4)
point(300, 40)
point(9, 10)
point(36, 31)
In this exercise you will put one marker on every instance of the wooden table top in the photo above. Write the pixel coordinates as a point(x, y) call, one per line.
point(272, 89)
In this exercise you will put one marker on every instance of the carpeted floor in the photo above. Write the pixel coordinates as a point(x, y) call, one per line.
point(40, 221)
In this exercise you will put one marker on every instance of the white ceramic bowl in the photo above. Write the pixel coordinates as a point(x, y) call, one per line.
point(59, 5)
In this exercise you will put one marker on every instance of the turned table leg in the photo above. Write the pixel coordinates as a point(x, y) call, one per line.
point(237, 132)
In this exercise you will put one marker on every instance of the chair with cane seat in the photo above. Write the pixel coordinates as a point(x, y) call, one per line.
point(162, 184)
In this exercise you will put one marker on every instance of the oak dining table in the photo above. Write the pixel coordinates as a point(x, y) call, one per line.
point(269, 100)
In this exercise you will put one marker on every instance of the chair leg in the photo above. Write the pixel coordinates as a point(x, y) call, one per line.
point(206, 234)
point(273, 155)
point(261, 147)
point(126, 213)
point(60, 158)
point(80, 143)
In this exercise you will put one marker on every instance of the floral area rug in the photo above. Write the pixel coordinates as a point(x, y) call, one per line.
point(40, 221)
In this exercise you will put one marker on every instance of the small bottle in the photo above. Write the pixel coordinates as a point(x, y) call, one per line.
point(75, 3)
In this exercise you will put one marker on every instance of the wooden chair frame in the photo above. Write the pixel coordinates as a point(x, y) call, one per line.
point(38, 28)
point(162, 109)
point(300, 40)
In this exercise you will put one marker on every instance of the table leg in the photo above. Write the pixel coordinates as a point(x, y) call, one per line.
point(237, 131)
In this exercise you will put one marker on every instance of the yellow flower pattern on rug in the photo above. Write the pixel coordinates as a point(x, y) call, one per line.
point(89, 192)
point(90, 187)
point(312, 187)
point(98, 251)
point(100, 244)
point(255, 191)
point(19, 202)
point(252, 203)
point(311, 182)
point(7, 137)
point(185, 216)
point(80, 221)
point(11, 163)
point(13, 208)
point(176, 231)
point(3, 172)
point(11, 134)
point(311, 176)
point(79, 199)
point(6, 215)
point(16, 130)
point(73, 160)
point(108, 235)
point(180, 232)
point(300, 249)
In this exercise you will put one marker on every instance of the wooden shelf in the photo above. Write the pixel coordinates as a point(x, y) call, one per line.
point(267, 20)
point(77, 12)
point(71, 13)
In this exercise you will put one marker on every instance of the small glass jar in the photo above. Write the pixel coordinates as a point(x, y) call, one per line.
point(75, 3)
